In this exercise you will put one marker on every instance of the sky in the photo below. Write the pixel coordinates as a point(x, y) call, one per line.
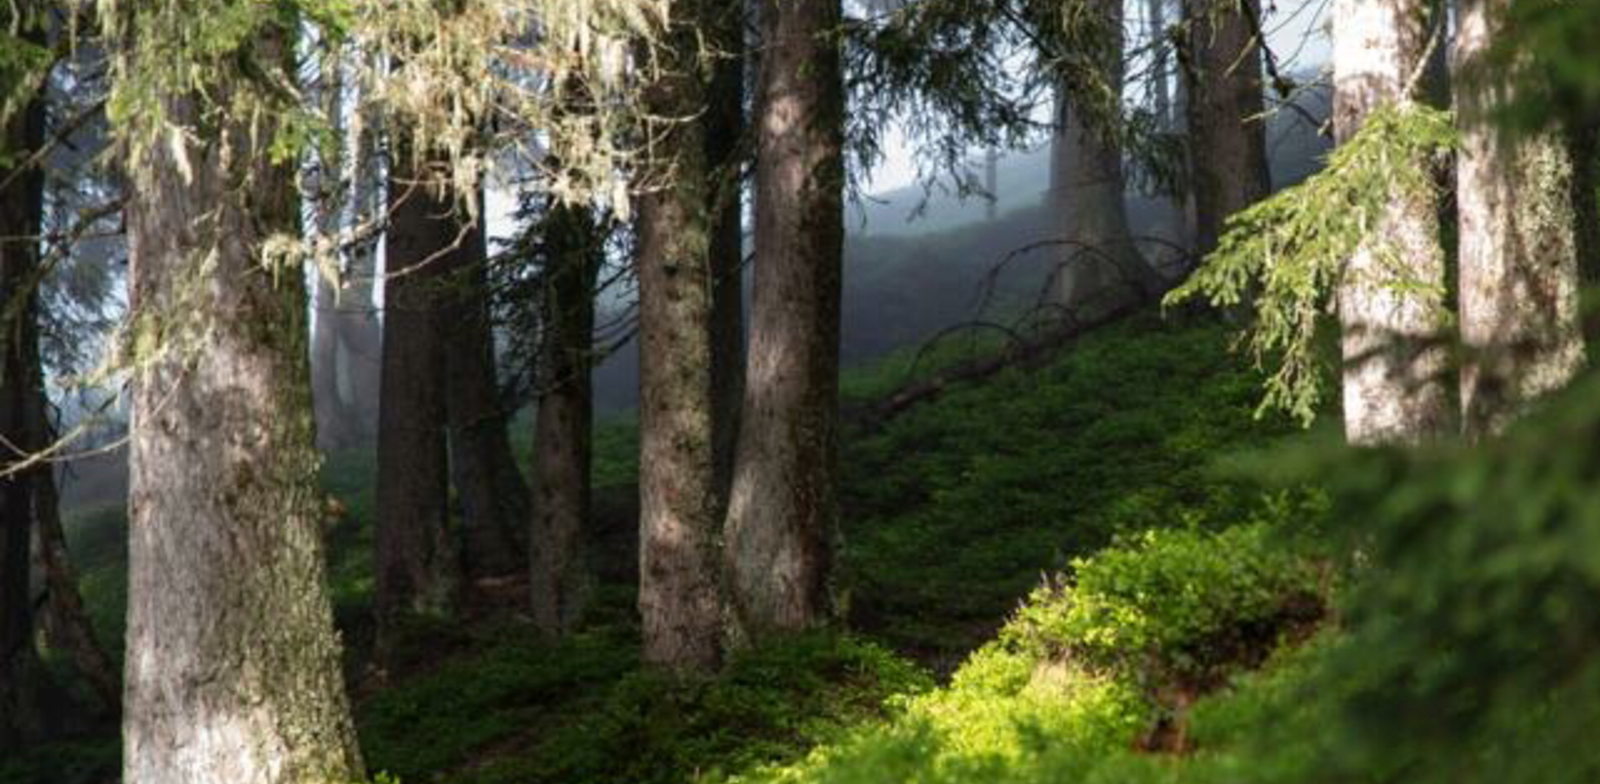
point(1296, 33)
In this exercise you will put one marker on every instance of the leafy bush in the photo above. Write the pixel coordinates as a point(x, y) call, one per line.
point(1176, 608)
point(1474, 634)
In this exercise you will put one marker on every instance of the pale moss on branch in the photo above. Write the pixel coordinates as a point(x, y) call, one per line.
point(1285, 257)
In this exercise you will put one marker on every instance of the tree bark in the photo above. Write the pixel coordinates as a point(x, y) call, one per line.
point(560, 581)
point(233, 670)
point(1519, 243)
point(1393, 339)
point(783, 509)
point(679, 601)
point(1100, 259)
point(21, 220)
point(725, 128)
point(1226, 108)
point(416, 555)
point(493, 494)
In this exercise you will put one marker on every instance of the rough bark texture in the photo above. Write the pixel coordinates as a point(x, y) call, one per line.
point(1519, 252)
point(1099, 258)
point(1227, 126)
point(232, 669)
point(560, 577)
point(679, 602)
point(725, 126)
point(1395, 360)
point(417, 558)
point(784, 504)
point(493, 494)
point(21, 216)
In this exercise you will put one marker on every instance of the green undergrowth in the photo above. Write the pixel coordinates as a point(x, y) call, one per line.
point(1152, 646)
point(954, 508)
point(585, 712)
point(1456, 588)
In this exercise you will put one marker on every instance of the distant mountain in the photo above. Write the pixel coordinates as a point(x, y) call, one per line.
point(1294, 147)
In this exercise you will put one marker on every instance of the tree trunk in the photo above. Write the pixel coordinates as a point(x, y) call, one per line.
point(1393, 338)
point(1227, 122)
point(359, 361)
point(1519, 251)
point(783, 508)
point(233, 670)
point(493, 494)
point(21, 220)
point(327, 209)
point(679, 601)
point(725, 128)
point(560, 579)
point(325, 367)
point(1100, 264)
point(416, 554)
point(67, 625)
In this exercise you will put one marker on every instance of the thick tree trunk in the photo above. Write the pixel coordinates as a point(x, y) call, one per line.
point(560, 578)
point(232, 661)
point(1100, 264)
point(1227, 122)
point(417, 569)
point(1519, 251)
point(493, 494)
point(725, 128)
point(21, 219)
point(679, 601)
point(1393, 338)
point(784, 504)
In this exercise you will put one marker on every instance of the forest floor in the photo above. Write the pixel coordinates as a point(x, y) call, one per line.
point(952, 512)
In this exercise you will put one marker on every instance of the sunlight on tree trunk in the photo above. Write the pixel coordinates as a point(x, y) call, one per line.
point(784, 504)
point(1394, 356)
point(679, 602)
point(1519, 243)
point(233, 666)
